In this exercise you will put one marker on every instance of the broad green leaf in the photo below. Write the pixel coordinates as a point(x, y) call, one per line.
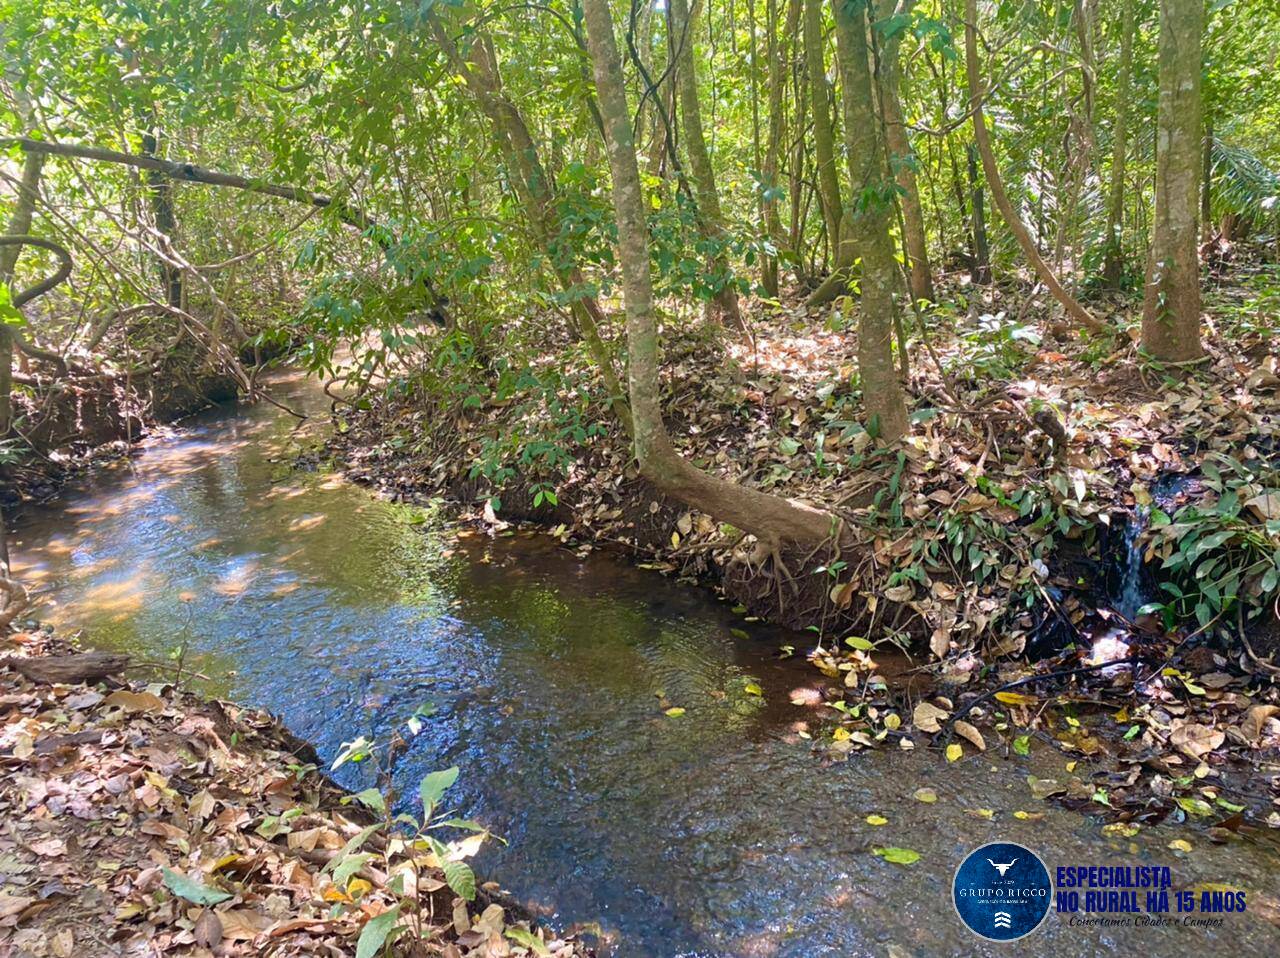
point(435, 785)
point(349, 866)
point(370, 798)
point(375, 931)
point(527, 938)
point(461, 879)
point(192, 891)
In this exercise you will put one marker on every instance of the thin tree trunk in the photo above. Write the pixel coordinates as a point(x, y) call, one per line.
point(19, 225)
point(160, 188)
point(774, 520)
point(999, 197)
point(1113, 259)
point(980, 268)
point(778, 50)
point(823, 133)
point(695, 146)
point(1171, 309)
point(869, 225)
point(904, 161)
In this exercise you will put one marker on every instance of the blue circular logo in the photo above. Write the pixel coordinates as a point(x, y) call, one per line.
point(1002, 891)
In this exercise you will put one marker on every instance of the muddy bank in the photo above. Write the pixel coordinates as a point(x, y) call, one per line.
point(63, 427)
point(140, 816)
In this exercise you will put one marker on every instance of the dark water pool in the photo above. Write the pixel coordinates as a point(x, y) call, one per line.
point(717, 832)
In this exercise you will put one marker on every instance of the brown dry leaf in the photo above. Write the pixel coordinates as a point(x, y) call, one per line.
point(926, 717)
point(940, 643)
point(135, 701)
point(208, 929)
point(243, 924)
point(1194, 739)
point(967, 731)
point(1255, 721)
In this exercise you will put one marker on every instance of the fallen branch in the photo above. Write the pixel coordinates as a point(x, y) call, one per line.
point(948, 727)
point(69, 669)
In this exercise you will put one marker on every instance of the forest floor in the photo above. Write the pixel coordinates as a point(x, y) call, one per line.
point(1062, 503)
point(140, 819)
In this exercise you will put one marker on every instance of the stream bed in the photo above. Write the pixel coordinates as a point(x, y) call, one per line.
point(718, 832)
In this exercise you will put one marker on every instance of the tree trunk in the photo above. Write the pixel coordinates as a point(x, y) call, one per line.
point(695, 146)
point(980, 268)
point(520, 154)
point(774, 520)
point(824, 148)
point(160, 188)
point(19, 225)
point(1113, 259)
point(904, 166)
point(999, 197)
point(869, 225)
point(1171, 310)
point(1206, 187)
point(778, 51)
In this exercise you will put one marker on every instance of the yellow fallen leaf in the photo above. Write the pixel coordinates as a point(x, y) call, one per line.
point(874, 819)
point(1016, 698)
point(1180, 845)
point(954, 751)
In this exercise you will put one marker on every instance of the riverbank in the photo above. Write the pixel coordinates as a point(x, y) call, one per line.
point(1062, 504)
point(141, 817)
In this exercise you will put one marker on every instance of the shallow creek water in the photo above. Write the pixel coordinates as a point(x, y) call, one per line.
point(718, 832)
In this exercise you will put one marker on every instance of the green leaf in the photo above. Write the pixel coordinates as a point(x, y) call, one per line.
point(1022, 744)
point(192, 891)
point(1194, 806)
point(859, 643)
point(465, 823)
point(529, 940)
point(9, 315)
point(349, 866)
point(899, 856)
point(461, 879)
point(356, 841)
point(375, 931)
point(356, 751)
point(435, 785)
point(369, 798)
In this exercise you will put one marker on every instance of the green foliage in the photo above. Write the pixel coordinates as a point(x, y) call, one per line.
point(1221, 556)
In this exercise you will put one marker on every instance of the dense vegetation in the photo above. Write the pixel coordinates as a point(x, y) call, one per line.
point(513, 219)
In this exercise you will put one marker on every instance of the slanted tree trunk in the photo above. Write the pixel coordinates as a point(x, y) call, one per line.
point(1113, 258)
point(19, 225)
point(903, 157)
point(977, 90)
point(683, 28)
point(1171, 309)
point(534, 189)
point(869, 220)
point(776, 521)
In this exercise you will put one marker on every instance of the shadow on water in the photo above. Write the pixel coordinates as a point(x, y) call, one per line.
point(718, 832)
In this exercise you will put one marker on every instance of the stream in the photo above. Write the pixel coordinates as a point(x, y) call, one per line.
point(718, 832)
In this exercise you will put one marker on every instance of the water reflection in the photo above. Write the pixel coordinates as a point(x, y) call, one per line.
point(716, 832)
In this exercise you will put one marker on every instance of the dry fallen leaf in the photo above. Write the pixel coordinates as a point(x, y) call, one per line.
point(926, 717)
